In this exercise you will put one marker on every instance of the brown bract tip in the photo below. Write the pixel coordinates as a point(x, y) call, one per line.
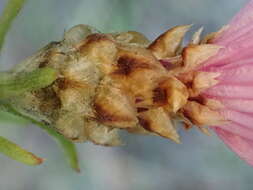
point(169, 42)
point(194, 55)
point(159, 122)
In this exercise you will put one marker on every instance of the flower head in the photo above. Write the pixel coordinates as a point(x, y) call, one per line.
point(108, 82)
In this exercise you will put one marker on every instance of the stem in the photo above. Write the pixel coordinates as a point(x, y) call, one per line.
point(10, 11)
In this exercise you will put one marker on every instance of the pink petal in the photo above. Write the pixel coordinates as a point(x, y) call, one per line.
point(231, 91)
point(226, 39)
point(229, 55)
point(243, 119)
point(237, 40)
point(222, 67)
point(237, 75)
point(238, 130)
point(234, 62)
point(242, 146)
point(240, 105)
point(238, 25)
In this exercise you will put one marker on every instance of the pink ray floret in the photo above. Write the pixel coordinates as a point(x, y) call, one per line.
point(235, 87)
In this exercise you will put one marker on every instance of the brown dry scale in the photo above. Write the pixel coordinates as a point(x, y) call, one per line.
point(108, 82)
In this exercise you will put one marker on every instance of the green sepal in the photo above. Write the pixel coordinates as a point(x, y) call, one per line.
point(17, 85)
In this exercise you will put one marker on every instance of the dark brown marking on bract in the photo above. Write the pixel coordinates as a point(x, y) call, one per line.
point(91, 40)
point(96, 38)
point(49, 101)
point(160, 96)
point(103, 116)
point(189, 84)
point(138, 100)
point(187, 114)
point(74, 138)
point(198, 99)
point(141, 109)
point(144, 123)
point(64, 83)
point(127, 65)
point(43, 64)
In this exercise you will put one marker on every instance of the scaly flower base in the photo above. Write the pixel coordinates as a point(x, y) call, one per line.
point(108, 82)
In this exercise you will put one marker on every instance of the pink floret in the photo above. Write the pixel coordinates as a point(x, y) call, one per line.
point(235, 87)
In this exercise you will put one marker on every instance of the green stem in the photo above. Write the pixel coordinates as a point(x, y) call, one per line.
point(10, 11)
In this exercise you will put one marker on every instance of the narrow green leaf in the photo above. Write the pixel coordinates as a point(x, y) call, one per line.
point(70, 151)
point(68, 147)
point(17, 153)
point(9, 118)
point(10, 11)
point(13, 86)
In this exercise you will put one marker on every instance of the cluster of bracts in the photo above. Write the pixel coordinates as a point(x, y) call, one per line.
point(108, 82)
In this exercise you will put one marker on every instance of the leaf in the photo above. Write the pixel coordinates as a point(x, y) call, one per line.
point(68, 147)
point(10, 11)
point(6, 117)
point(13, 86)
point(17, 153)
point(70, 151)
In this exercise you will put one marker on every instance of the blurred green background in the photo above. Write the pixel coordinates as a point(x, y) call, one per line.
point(144, 163)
